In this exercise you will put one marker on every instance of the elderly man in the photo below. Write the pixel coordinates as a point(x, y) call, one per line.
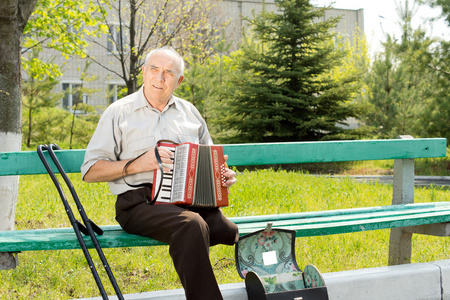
point(131, 127)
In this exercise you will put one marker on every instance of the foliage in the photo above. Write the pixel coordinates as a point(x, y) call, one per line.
point(350, 72)
point(78, 106)
point(437, 111)
point(62, 25)
point(355, 62)
point(283, 87)
point(65, 274)
point(408, 84)
point(394, 91)
point(53, 125)
point(82, 129)
point(45, 122)
point(36, 68)
point(205, 82)
point(136, 27)
point(443, 4)
point(36, 95)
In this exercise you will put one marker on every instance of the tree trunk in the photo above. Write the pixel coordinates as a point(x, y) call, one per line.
point(14, 15)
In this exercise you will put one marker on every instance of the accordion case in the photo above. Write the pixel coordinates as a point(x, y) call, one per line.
point(266, 259)
point(196, 179)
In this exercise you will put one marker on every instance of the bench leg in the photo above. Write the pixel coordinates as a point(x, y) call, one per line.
point(399, 247)
point(8, 261)
point(403, 193)
point(9, 187)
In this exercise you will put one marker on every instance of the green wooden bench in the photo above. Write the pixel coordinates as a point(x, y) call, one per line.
point(404, 216)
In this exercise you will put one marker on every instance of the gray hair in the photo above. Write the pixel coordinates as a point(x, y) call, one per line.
point(171, 50)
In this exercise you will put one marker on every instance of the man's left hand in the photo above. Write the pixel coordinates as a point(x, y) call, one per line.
point(230, 175)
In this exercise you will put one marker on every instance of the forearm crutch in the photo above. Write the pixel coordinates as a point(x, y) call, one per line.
point(89, 227)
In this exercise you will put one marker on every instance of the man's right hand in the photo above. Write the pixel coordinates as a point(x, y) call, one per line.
point(148, 161)
point(105, 170)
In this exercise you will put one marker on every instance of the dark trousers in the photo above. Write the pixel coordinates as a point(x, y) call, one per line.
point(189, 233)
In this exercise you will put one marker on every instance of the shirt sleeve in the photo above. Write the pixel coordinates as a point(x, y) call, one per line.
point(103, 145)
point(204, 136)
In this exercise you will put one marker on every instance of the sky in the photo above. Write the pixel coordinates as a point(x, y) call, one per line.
point(381, 18)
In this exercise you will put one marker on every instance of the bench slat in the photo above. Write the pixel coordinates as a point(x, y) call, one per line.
point(390, 209)
point(65, 239)
point(28, 162)
point(306, 224)
point(362, 224)
point(333, 151)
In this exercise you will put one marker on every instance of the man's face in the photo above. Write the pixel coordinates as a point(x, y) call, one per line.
point(161, 78)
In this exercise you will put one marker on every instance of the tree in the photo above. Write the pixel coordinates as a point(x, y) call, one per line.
point(204, 79)
point(63, 26)
point(393, 95)
point(14, 15)
point(78, 104)
point(437, 112)
point(45, 122)
point(401, 82)
point(135, 27)
point(37, 93)
point(444, 4)
point(283, 90)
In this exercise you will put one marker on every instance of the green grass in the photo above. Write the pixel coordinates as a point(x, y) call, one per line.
point(65, 275)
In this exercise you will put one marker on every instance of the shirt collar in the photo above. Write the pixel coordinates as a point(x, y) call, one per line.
point(142, 102)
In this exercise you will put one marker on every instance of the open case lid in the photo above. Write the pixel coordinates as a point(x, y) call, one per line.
point(266, 252)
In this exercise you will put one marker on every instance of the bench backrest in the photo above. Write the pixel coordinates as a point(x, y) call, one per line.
point(28, 162)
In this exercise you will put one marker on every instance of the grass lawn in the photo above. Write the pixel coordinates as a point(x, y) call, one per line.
point(65, 275)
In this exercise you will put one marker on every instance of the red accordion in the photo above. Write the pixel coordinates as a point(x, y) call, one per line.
point(196, 179)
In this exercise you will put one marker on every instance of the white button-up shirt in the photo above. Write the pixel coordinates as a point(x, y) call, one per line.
point(131, 126)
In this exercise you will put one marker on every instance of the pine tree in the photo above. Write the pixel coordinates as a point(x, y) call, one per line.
point(284, 91)
point(438, 111)
point(402, 86)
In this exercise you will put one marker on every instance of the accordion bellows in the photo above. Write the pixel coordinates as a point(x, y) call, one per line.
point(196, 179)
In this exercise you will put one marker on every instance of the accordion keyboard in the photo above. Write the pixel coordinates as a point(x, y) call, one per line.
point(166, 188)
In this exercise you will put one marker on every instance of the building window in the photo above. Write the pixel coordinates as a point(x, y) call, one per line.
point(115, 92)
point(73, 96)
point(116, 39)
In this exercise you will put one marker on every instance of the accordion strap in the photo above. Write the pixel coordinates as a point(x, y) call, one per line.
point(147, 197)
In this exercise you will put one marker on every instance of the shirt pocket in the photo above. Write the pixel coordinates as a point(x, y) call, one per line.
point(184, 138)
point(139, 146)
